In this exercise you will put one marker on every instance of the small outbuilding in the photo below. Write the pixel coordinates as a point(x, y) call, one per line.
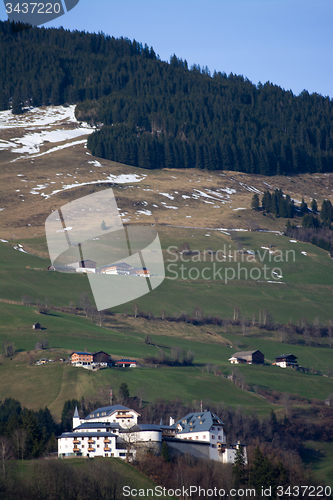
point(126, 363)
point(36, 326)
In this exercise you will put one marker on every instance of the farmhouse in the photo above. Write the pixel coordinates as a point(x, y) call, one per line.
point(88, 359)
point(121, 268)
point(285, 360)
point(81, 358)
point(114, 431)
point(249, 357)
point(124, 269)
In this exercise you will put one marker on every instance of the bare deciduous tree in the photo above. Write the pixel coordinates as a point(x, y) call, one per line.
point(85, 303)
point(6, 452)
point(150, 315)
point(215, 370)
point(208, 367)
point(135, 309)
point(198, 313)
point(162, 356)
point(286, 402)
point(330, 333)
point(27, 300)
point(9, 348)
point(190, 356)
point(100, 317)
point(236, 313)
point(20, 441)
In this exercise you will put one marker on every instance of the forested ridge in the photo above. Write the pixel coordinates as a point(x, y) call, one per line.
point(157, 114)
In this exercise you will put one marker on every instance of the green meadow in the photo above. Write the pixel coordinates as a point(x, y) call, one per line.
point(53, 383)
point(306, 290)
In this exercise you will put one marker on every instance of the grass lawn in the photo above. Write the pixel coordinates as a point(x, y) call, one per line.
point(319, 455)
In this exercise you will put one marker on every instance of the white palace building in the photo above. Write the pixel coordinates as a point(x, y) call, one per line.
point(114, 431)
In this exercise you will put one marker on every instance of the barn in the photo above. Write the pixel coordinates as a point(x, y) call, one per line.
point(249, 357)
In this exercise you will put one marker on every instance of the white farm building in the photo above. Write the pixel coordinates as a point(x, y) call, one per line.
point(114, 431)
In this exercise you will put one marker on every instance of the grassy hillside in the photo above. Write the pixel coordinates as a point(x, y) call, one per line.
point(52, 384)
point(103, 478)
point(319, 456)
point(305, 291)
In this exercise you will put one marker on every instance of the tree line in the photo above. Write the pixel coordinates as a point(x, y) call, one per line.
point(155, 114)
point(316, 230)
point(24, 433)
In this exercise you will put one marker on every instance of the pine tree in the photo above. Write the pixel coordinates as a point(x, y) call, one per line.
point(17, 103)
point(239, 470)
point(124, 391)
point(326, 212)
point(314, 206)
point(267, 201)
point(262, 471)
point(255, 204)
point(303, 207)
point(165, 452)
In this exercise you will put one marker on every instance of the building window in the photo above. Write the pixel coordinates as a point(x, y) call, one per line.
point(213, 437)
point(218, 437)
point(106, 455)
point(98, 446)
point(213, 445)
point(196, 437)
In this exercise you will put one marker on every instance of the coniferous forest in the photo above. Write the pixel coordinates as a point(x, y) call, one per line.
point(154, 114)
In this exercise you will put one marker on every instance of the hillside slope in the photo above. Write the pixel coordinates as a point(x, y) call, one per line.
point(159, 115)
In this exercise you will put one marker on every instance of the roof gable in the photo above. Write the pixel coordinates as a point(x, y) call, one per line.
point(106, 411)
point(245, 353)
point(198, 422)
